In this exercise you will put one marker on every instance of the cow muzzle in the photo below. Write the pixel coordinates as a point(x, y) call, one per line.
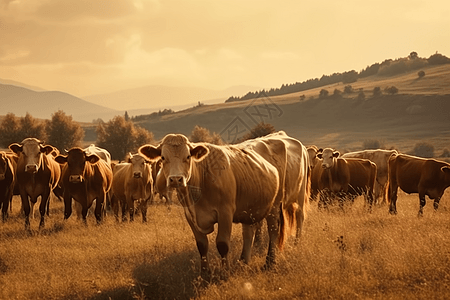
point(137, 174)
point(32, 168)
point(176, 181)
point(326, 166)
point(75, 178)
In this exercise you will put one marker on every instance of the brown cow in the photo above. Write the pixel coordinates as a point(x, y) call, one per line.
point(7, 175)
point(85, 178)
point(216, 184)
point(316, 171)
point(379, 157)
point(132, 181)
point(37, 175)
point(427, 177)
point(345, 177)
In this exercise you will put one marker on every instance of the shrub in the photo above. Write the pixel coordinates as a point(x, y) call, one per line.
point(63, 132)
point(9, 130)
point(323, 93)
point(349, 77)
point(302, 97)
point(201, 134)
point(361, 96)
point(377, 91)
point(424, 149)
point(392, 90)
point(337, 93)
point(119, 137)
point(438, 59)
point(421, 74)
point(261, 129)
point(348, 89)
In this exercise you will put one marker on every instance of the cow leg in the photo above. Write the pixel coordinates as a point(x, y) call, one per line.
point(324, 196)
point(143, 206)
point(99, 204)
point(115, 207)
point(130, 204)
point(26, 209)
point(393, 196)
point(422, 203)
point(248, 232)
point(67, 205)
point(273, 229)
point(202, 246)
point(257, 241)
point(436, 203)
point(223, 237)
point(45, 198)
point(124, 210)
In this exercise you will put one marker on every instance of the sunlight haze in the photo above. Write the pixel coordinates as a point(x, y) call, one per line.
point(86, 47)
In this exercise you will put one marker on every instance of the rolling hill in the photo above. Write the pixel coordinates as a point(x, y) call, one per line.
point(419, 112)
point(42, 104)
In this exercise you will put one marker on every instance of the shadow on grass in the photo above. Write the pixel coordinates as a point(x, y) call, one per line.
point(176, 276)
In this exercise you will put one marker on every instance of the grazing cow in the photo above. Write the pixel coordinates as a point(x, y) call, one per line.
point(427, 177)
point(132, 181)
point(85, 178)
point(345, 177)
point(291, 160)
point(7, 174)
point(316, 171)
point(379, 157)
point(216, 184)
point(37, 175)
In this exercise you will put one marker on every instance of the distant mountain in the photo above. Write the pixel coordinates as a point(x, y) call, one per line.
point(154, 97)
point(20, 84)
point(19, 100)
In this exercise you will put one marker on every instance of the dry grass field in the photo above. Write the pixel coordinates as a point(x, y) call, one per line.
point(351, 255)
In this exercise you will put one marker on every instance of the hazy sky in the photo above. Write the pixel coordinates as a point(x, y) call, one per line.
point(86, 47)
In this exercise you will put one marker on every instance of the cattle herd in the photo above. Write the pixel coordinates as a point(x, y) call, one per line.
point(271, 178)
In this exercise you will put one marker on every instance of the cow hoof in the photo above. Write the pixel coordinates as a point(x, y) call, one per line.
point(393, 212)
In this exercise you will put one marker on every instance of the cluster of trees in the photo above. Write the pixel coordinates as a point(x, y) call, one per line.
point(159, 113)
point(119, 135)
point(61, 131)
point(388, 67)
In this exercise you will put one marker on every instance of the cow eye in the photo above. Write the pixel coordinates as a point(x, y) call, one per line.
point(188, 157)
point(162, 158)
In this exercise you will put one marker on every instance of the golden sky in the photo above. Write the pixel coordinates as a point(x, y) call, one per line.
point(86, 47)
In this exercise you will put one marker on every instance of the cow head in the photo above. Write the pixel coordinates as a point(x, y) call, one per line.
point(76, 160)
point(446, 170)
point(3, 165)
point(177, 155)
point(328, 157)
point(312, 156)
point(138, 163)
point(30, 152)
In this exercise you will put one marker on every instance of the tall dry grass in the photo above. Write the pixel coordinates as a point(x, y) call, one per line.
point(351, 255)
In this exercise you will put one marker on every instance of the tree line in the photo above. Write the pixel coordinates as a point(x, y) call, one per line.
point(119, 136)
point(388, 67)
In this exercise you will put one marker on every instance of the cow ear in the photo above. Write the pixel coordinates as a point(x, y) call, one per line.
point(151, 152)
point(47, 149)
point(60, 159)
point(319, 155)
point(16, 148)
point(446, 169)
point(336, 154)
point(93, 158)
point(199, 152)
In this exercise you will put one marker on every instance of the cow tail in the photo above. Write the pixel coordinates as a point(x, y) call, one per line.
point(282, 232)
point(387, 190)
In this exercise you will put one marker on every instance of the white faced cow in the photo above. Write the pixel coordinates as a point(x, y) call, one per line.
point(37, 175)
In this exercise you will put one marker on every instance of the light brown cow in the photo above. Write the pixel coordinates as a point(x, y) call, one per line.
point(291, 159)
point(37, 175)
point(85, 178)
point(217, 184)
point(380, 157)
point(345, 177)
point(427, 177)
point(7, 177)
point(132, 181)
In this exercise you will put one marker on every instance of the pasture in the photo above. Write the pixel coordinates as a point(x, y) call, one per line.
point(351, 255)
